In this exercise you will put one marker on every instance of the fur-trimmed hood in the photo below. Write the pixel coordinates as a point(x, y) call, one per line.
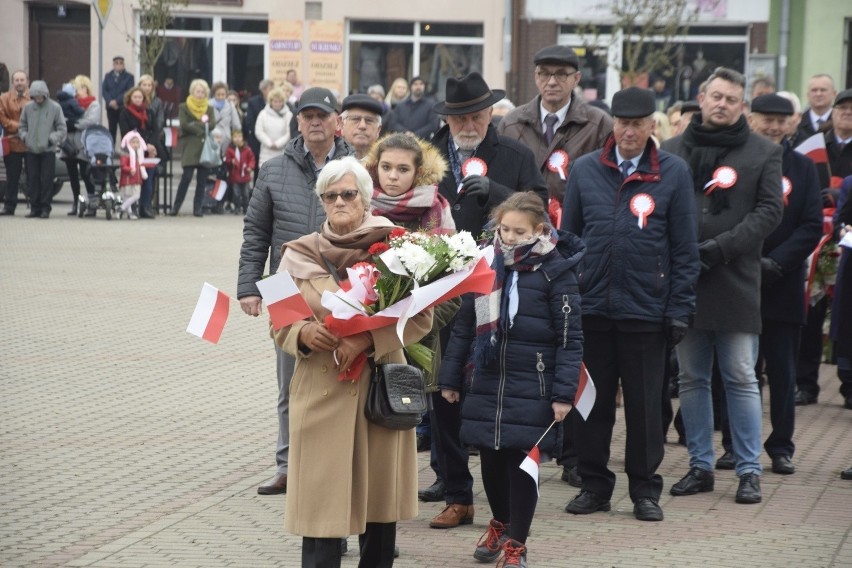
point(430, 173)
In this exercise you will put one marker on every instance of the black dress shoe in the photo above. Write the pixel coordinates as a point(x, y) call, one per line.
point(586, 503)
point(44, 215)
point(275, 486)
point(749, 489)
point(6, 212)
point(848, 403)
point(146, 214)
point(33, 214)
point(727, 461)
point(696, 481)
point(647, 509)
point(803, 398)
point(846, 474)
point(571, 477)
point(433, 493)
point(782, 465)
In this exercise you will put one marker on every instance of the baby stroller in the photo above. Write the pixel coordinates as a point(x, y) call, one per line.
point(99, 149)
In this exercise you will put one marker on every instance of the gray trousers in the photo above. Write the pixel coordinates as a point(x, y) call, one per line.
point(285, 365)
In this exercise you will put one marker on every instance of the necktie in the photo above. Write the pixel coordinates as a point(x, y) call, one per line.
point(819, 124)
point(625, 168)
point(550, 121)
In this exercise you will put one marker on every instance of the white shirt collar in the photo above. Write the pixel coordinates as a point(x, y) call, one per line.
point(635, 161)
point(814, 117)
point(560, 114)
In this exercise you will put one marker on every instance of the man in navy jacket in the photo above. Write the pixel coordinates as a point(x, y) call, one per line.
point(633, 207)
point(116, 83)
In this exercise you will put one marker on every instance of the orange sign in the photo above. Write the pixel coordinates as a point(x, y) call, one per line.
point(325, 55)
point(285, 48)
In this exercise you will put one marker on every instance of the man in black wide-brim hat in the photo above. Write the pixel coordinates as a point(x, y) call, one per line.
point(509, 167)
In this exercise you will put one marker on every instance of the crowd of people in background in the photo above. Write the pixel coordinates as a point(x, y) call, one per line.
point(692, 254)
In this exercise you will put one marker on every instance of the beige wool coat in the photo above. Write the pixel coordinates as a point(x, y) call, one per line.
point(344, 471)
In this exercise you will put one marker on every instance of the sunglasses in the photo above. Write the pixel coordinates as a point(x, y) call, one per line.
point(347, 195)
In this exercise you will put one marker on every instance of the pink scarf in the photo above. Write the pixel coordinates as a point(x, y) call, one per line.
point(139, 155)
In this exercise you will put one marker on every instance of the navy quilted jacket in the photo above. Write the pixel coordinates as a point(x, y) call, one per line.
point(507, 403)
point(643, 273)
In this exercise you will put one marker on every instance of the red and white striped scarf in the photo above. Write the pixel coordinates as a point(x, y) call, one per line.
point(422, 204)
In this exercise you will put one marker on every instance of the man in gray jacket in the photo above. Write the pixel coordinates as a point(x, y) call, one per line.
point(738, 199)
point(42, 129)
point(284, 207)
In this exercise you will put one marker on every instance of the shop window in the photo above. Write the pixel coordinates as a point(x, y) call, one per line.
point(192, 24)
point(185, 59)
point(245, 26)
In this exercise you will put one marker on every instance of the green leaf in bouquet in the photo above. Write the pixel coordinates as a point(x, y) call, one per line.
point(420, 355)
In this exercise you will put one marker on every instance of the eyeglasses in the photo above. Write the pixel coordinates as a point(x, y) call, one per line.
point(560, 76)
point(369, 120)
point(347, 195)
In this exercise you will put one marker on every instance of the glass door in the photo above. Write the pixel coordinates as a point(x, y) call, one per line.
point(245, 65)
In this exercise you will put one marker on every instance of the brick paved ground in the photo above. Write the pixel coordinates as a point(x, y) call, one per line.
point(126, 442)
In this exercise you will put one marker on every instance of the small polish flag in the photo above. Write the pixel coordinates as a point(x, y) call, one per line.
point(171, 134)
point(584, 400)
point(4, 146)
point(530, 465)
point(220, 186)
point(211, 313)
point(283, 300)
point(814, 148)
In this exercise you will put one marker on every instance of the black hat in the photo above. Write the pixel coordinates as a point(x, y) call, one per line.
point(772, 104)
point(317, 97)
point(843, 96)
point(689, 106)
point(557, 55)
point(468, 94)
point(118, 58)
point(362, 101)
point(417, 78)
point(633, 102)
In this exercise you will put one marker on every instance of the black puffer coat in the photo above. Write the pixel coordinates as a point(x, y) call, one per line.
point(283, 207)
point(508, 402)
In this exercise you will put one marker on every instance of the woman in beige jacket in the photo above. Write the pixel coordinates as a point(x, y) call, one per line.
point(346, 475)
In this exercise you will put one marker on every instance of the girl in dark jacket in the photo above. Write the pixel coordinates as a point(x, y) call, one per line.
point(522, 344)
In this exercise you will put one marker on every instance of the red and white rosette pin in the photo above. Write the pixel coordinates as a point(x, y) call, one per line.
point(642, 205)
point(558, 163)
point(473, 167)
point(786, 189)
point(724, 177)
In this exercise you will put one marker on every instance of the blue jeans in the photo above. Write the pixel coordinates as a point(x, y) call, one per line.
point(737, 353)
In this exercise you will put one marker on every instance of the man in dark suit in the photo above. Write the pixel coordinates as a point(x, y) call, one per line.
point(116, 83)
point(739, 203)
point(468, 139)
point(816, 117)
point(255, 105)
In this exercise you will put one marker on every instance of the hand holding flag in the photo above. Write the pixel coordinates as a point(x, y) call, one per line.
point(283, 300)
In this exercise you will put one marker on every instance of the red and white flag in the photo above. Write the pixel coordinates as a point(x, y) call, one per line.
point(171, 135)
point(530, 465)
point(814, 148)
point(584, 400)
point(283, 300)
point(4, 146)
point(211, 313)
point(220, 186)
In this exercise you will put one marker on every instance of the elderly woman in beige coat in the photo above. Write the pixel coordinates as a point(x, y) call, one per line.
point(346, 475)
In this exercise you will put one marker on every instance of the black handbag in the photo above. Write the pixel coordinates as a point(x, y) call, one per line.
point(396, 398)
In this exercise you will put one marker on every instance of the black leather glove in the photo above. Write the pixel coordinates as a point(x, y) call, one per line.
point(710, 253)
point(478, 187)
point(675, 331)
point(770, 271)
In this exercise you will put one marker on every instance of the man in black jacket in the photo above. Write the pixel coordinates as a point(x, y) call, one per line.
point(485, 169)
point(782, 301)
point(817, 117)
point(632, 205)
point(255, 105)
point(284, 207)
point(415, 114)
point(738, 202)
